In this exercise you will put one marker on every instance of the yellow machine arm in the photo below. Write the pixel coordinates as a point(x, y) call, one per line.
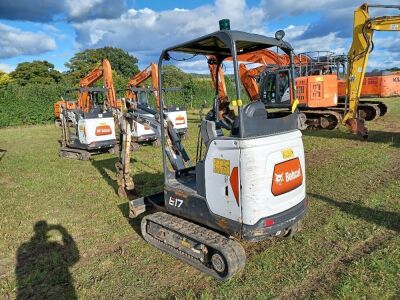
point(362, 45)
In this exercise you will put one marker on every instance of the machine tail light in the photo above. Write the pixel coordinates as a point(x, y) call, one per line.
point(234, 181)
point(269, 222)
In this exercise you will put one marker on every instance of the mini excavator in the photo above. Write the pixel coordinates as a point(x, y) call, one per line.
point(177, 116)
point(93, 118)
point(133, 92)
point(248, 179)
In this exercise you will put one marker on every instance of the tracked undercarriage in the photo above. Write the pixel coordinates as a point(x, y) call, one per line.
point(331, 118)
point(204, 249)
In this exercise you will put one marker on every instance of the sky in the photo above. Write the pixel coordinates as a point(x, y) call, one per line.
point(54, 30)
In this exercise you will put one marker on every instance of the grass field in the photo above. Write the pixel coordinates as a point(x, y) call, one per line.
point(349, 246)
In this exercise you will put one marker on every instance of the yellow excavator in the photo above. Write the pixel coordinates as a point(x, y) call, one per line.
point(362, 45)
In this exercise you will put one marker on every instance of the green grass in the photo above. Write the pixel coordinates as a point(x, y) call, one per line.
point(349, 246)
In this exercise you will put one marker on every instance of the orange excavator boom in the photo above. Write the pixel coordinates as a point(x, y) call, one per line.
point(264, 57)
point(150, 72)
point(104, 71)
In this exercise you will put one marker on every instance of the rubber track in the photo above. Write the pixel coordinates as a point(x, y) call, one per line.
point(232, 251)
point(74, 153)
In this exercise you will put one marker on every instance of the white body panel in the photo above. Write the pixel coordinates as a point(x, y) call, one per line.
point(87, 130)
point(140, 130)
point(257, 158)
point(178, 119)
point(216, 184)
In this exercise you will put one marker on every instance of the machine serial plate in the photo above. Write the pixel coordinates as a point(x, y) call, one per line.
point(222, 166)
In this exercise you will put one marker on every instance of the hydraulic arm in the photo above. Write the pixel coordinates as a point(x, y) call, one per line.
point(362, 45)
point(105, 72)
point(136, 80)
point(175, 152)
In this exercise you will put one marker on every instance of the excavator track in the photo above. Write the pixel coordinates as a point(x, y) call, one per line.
point(71, 153)
point(382, 107)
point(204, 249)
point(368, 110)
point(322, 119)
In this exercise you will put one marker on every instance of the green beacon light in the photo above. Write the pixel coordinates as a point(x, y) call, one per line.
point(224, 24)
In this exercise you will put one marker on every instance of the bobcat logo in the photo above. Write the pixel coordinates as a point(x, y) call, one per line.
point(279, 178)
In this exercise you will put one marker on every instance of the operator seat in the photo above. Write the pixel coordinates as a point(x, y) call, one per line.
point(209, 131)
point(255, 109)
point(254, 118)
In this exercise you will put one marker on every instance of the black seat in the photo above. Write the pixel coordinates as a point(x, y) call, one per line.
point(255, 109)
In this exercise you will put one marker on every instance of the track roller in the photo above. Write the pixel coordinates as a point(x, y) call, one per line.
point(204, 249)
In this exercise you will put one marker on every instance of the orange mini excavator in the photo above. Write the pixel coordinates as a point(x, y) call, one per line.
point(90, 127)
point(177, 116)
point(142, 132)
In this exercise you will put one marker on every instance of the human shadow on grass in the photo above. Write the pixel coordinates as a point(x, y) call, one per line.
point(374, 136)
point(2, 153)
point(388, 219)
point(42, 270)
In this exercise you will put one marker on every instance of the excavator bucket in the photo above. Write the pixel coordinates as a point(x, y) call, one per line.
point(357, 126)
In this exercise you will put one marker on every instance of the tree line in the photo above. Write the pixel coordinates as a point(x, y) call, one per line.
point(28, 93)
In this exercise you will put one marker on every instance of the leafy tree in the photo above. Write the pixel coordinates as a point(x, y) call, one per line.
point(174, 77)
point(41, 72)
point(4, 78)
point(83, 62)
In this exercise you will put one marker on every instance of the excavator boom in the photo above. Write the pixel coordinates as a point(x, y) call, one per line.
point(104, 71)
point(363, 30)
point(265, 57)
point(136, 80)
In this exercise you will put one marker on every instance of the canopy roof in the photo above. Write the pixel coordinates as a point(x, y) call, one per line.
point(220, 43)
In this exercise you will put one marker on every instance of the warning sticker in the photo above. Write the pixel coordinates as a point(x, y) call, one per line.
point(287, 153)
point(222, 166)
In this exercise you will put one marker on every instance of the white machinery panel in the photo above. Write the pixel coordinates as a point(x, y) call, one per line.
point(250, 194)
point(259, 157)
point(96, 130)
point(178, 119)
point(140, 130)
point(222, 158)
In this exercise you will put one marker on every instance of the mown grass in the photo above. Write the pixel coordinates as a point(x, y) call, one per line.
point(349, 246)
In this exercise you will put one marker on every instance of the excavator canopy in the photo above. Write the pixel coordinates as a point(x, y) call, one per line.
point(223, 42)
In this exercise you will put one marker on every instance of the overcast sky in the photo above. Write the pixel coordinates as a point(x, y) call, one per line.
point(54, 30)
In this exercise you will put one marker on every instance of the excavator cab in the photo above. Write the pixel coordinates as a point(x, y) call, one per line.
point(275, 87)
